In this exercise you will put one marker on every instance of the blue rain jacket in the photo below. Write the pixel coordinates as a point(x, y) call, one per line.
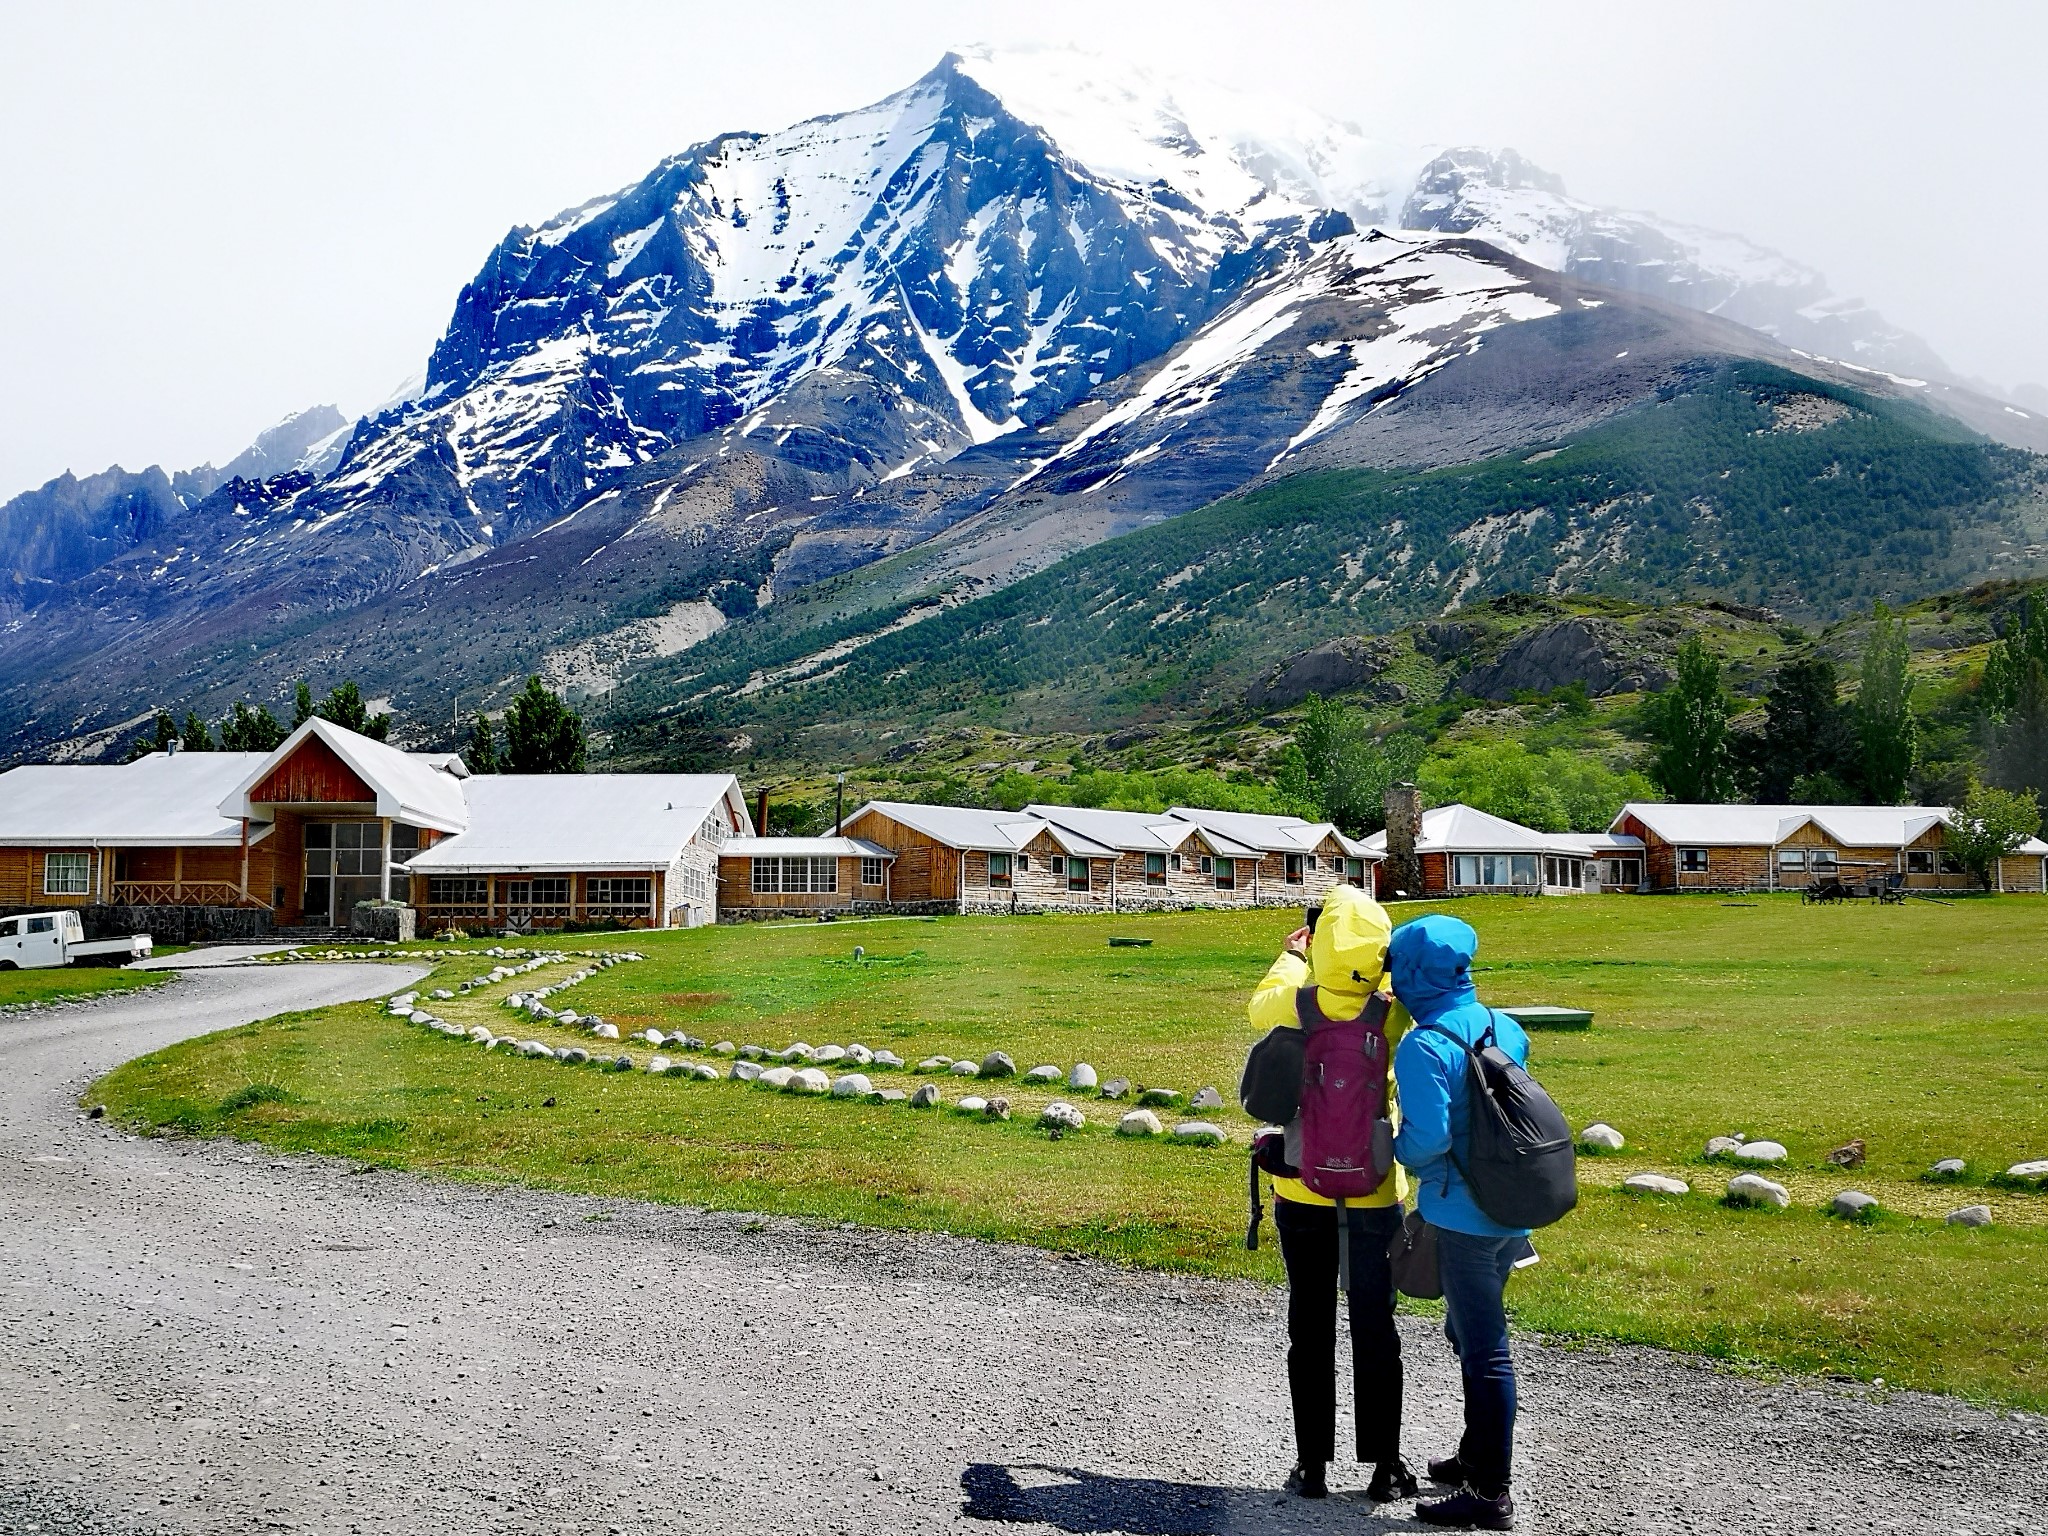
point(1429, 962)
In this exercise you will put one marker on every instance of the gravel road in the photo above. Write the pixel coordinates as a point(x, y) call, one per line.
point(210, 1339)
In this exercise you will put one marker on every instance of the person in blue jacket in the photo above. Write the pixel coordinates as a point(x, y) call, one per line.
point(1429, 962)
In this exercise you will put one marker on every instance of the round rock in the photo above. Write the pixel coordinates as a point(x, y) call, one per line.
point(808, 1080)
point(1206, 1098)
point(1655, 1184)
point(1949, 1168)
point(854, 1085)
point(1723, 1146)
point(926, 1096)
point(825, 1055)
point(998, 1064)
point(973, 1104)
point(965, 1069)
point(776, 1077)
point(745, 1071)
point(658, 1064)
point(1201, 1132)
point(936, 1064)
point(1159, 1096)
point(1761, 1152)
point(606, 1031)
point(997, 1108)
point(859, 1054)
point(2038, 1169)
point(1061, 1116)
point(1852, 1205)
point(1139, 1122)
point(1602, 1136)
point(1045, 1074)
point(1970, 1216)
point(1117, 1088)
point(887, 1059)
point(725, 1048)
point(1082, 1078)
point(1755, 1189)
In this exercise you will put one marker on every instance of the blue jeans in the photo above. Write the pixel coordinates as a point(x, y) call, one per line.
point(1475, 1277)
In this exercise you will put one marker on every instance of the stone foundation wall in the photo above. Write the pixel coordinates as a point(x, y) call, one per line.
point(168, 924)
point(373, 920)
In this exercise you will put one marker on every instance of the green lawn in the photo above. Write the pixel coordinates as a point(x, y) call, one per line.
point(73, 981)
point(1919, 1029)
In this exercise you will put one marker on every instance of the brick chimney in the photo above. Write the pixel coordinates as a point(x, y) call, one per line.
point(1401, 875)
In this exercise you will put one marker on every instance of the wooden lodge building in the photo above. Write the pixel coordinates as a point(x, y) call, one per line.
point(1788, 847)
point(244, 844)
point(898, 857)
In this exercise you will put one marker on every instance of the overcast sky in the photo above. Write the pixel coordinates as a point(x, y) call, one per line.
point(217, 213)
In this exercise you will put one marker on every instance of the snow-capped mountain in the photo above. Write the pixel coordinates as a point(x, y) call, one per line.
point(1031, 287)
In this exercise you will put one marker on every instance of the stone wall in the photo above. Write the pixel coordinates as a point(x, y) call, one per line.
point(391, 922)
point(168, 924)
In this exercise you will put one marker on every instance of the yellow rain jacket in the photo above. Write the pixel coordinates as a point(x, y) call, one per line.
point(1350, 938)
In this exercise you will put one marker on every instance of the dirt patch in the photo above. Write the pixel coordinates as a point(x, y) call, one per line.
point(696, 999)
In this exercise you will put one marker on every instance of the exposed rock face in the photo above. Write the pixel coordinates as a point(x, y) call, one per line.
point(1335, 666)
point(1589, 651)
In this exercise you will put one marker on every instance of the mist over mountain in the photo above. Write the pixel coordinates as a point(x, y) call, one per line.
point(934, 345)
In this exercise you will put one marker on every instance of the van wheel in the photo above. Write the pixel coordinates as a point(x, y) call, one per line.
point(8, 965)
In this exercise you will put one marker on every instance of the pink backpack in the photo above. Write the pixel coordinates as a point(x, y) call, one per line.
point(1347, 1142)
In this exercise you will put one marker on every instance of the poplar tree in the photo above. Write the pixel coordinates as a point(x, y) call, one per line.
point(1887, 732)
point(1688, 722)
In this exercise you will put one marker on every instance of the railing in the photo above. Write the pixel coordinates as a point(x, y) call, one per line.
point(525, 916)
point(181, 893)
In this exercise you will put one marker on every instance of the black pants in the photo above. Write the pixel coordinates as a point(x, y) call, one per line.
point(1308, 1246)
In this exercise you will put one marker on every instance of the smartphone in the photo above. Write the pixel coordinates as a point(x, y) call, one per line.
point(1314, 916)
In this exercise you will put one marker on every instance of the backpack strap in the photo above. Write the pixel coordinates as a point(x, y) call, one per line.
point(1258, 1210)
point(1451, 1159)
point(1307, 1011)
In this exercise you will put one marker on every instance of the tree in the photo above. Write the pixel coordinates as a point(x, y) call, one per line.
point(344, 707)
point(1688, 722)
point(542, 734)
point(1807, 737)
point(1887, 731)
point(244, 729)
point(1987, 826)
point(194, 736)
point(302, 704)
point(1337, 768)
point(165, 729)
point(2005, 667)
point(1552, 791)
point(2018, 755)
point(481, 755)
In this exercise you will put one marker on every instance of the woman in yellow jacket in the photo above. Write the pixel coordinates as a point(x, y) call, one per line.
point(1349, 942)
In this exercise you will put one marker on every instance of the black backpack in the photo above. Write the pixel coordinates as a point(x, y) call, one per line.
point(1520, 1159)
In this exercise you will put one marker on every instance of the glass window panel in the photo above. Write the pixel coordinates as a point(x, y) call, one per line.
point(319, 834)
point(1466, 869)
point(67, 874)
point(1077, 875)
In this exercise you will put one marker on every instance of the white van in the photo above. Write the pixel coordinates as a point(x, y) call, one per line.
point(58, 938)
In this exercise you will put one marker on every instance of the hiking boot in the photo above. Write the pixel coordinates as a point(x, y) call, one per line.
point(1450, 1472)
point(1468, 1511)
point(1307, 1482)
point(1392, 1480)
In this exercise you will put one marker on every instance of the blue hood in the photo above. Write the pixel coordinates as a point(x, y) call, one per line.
point(1430, 963)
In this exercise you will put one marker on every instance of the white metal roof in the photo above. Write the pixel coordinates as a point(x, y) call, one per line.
point(804, 847)
point(423, 788)
point(580, 821)
point(1464, 829)
point(1129, 831)
point(961, 826)
point(162, 800)
point(1765, 826)
point(1272, 834)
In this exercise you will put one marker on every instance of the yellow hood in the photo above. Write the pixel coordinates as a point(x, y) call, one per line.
point(1349, 952)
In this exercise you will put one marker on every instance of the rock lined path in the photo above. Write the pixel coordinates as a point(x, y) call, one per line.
point(212, 1339)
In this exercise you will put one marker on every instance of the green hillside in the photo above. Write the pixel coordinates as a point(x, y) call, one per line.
point(1752, 486)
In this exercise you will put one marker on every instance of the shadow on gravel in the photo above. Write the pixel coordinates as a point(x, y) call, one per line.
point(1091, 1502)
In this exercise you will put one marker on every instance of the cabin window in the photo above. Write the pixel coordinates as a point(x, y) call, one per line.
point(870, 871)
point(1294, 871)
point(67, 874)
point(457, 891)
point(1465, 869)
point(1208, 864)
point(1824, 859)
point(543, 891)
point(358, 847)
point(999, 870)
point(1173, 862)
point(1059, 865)
point(791, 876)
point(1792, 858)
point(635, 891)
point(1077, 874)
point(1692, 861)
point(1920, 861)
point(1226, 874)
point(1354, 871)
point(1336, 863)
point(1621, 872)
point(1023, 862)
point(405, 842)
point(1155, 869)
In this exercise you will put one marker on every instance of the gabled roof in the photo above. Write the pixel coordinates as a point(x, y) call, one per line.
point(1273, 834)
point(580, 821)
point(804, 847)
point(1464, 829)
point(162, 800)
point(1119, 831)
point(960, 826)
point(423, 788)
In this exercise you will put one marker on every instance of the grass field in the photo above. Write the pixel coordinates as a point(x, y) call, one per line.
point(1919, 1029)
point(64, 981)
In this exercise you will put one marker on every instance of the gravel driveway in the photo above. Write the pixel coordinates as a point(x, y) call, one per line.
point(206, 1338)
